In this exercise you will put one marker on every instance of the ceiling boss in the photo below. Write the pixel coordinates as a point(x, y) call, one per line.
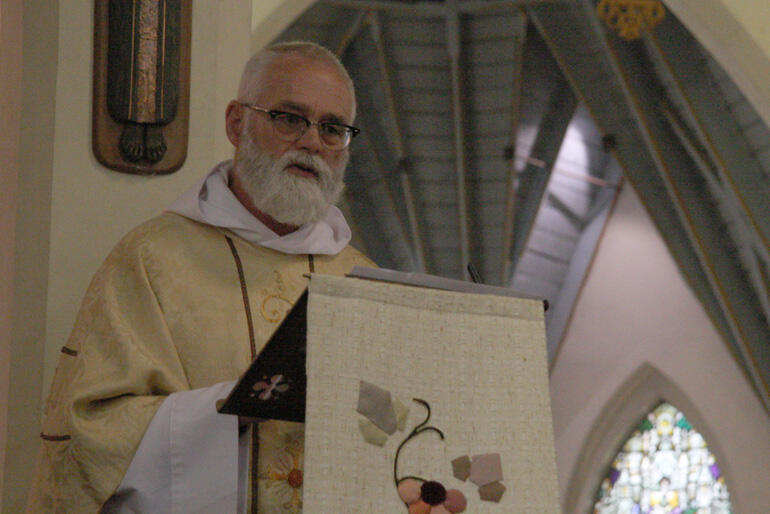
point(631, 17)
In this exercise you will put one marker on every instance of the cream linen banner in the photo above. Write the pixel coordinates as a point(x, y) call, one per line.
point(478, 360)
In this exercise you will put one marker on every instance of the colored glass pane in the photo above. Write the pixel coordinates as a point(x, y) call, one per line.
point(664, 467)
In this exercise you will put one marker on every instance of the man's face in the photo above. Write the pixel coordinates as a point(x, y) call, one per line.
point(312, 88)
point(294, 182)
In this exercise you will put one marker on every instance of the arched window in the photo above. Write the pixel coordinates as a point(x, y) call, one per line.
point(664, 467)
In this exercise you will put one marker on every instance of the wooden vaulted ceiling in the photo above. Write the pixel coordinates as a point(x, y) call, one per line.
point(498, 132)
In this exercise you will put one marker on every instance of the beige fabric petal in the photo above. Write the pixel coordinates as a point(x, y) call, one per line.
point(402, 413)
point(371, 432)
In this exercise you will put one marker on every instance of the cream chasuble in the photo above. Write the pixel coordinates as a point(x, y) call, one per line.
point(164, 314)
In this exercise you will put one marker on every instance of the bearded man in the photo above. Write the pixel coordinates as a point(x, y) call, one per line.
point(184, 302)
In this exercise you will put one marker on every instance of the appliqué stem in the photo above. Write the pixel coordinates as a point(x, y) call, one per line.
point(415, 432)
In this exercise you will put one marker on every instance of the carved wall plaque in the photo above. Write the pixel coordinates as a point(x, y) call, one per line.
point(141, 84)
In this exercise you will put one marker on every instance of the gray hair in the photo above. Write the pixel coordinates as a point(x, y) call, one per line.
point(251, 80)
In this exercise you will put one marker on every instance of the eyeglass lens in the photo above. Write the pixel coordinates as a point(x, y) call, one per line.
point(293, 127)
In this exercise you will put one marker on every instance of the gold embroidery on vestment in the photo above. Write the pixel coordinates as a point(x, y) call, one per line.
point(271, 311)
point(275, 314)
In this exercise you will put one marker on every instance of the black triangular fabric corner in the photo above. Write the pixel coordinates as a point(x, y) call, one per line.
point(275, 385)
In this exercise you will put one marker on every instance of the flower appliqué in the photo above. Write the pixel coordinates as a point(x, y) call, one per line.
point(383, 415)
point(430, 497)
point(266, 390)
point(426, 496)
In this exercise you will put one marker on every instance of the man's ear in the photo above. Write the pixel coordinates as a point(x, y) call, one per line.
point(233, 122)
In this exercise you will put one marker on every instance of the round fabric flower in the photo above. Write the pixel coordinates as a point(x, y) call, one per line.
point(280, 465)
point(430, 497)
point(285, 482)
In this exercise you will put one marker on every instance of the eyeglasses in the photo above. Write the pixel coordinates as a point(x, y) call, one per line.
point(290, 127)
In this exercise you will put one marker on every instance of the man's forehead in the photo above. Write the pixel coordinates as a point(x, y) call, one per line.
point(307, 86)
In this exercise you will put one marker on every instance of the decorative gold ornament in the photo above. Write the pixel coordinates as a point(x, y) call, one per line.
point(275, 306)
point(631, 17)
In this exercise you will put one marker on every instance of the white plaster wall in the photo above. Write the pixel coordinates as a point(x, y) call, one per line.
point(635, 308)
point(10, 120)
point(34, 114)
point(93, 207)
point(272, 16)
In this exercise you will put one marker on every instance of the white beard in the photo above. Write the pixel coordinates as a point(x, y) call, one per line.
point(284, 196)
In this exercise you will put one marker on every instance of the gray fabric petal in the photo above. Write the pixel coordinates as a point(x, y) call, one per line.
point(486, 469)
point(374, 403)
point(492, 492)
point(461, 468)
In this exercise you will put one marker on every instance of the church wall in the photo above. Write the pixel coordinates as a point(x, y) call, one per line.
point(272, 16)
point(10, 119)
point(735, 33)
point(635, 311)
point(33, 109)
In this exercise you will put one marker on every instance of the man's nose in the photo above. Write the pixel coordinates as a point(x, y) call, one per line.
point(310, 140)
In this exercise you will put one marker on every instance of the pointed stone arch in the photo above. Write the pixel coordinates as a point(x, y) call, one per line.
point(644, 390)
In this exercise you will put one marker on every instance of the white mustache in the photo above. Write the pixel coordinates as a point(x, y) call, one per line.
point(305, 160)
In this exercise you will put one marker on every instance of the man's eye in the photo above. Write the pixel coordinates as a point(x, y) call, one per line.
point(333, 130)
point(290, 119)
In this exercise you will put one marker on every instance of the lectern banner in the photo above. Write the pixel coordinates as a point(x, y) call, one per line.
point(469, 367)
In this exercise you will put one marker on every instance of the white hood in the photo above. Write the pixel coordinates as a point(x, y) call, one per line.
point(210, 201)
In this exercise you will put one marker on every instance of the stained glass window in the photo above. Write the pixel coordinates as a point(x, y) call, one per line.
point(665, 467)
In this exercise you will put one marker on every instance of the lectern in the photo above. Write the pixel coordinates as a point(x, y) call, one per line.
point(478, 361)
